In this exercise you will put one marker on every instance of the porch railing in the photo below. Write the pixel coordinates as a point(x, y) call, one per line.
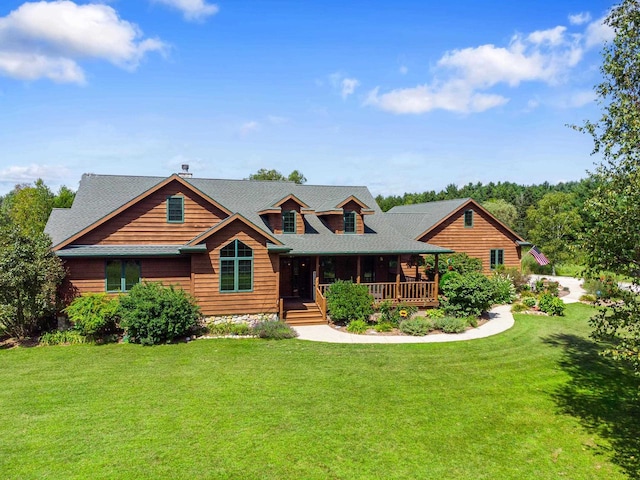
point(421, 293)
point(321, 300)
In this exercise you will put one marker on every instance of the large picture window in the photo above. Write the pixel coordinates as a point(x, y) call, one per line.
point(289, 221)
point(350, 222)
point(122, 275)
point(236, 267)
point(175, 209)
point(496, 258)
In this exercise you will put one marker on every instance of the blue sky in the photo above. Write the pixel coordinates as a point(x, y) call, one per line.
point(402, 96)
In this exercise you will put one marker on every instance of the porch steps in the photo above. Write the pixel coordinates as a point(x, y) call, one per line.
point(303, 313)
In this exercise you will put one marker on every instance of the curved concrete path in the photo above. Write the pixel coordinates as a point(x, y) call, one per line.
point(573, 284)
point(500, 321)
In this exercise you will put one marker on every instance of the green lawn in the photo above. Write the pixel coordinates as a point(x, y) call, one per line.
point(535, 402)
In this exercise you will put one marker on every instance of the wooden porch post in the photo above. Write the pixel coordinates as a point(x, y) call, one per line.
point(398, 270)
point(417, 267)
point(436, 277)
point(318, 267)
point(358, 269)
point(277, 269)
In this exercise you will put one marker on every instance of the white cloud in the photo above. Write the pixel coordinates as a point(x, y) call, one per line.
point(30, 173)
point(424, 98)
point(349, 86)
point(597, 33)
point(48, 39)
point(249, 127)
point(345, 85)
point(463, 77)
point(579, 18)
point(192, 10)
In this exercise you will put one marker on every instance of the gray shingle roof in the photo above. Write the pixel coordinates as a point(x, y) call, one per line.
point(99, 195)
point(414, 220)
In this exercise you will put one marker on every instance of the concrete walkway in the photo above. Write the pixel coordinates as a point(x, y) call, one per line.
point(500, 321)
point(573, 284)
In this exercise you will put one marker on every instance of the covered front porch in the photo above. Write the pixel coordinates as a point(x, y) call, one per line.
point(304, 281)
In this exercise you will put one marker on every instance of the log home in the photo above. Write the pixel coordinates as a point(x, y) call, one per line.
point(238, 246)
point(462, 225)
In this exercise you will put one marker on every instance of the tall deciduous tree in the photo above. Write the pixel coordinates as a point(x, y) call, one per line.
point(612, 239)
point(504, 211)
point(30, 274)
point(274, 175)
point(29, 206)
point(554, 225)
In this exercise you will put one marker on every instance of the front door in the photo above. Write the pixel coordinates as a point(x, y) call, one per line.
point(295, 277)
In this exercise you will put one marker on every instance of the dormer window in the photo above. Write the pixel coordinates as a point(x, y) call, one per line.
point(350, 221)
point(468, 218)
point(289, 221)
point(175, 209)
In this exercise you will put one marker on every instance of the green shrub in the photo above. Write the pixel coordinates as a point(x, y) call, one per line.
point(503, 289)
point(451, 324)
point(529, 302)
point(65, 337)
point(357, 326)
point(466, 295)
point(519, 307)
point(551, 305)
point(605, 287)
point(394, 314)
point(229, 328)
point(472, 322)
point(384, 327)
point(94, 314)
point(434, 313)
point(348, 301)
point(587, 297)
point(519, 279)
point(273, 330)
point(455, 262)
point(417, 326)
point(153, 314)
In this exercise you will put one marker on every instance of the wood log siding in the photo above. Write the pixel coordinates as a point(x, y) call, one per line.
point(146, 221)
point(206, 273)
point(477, 241)
point(87, 275)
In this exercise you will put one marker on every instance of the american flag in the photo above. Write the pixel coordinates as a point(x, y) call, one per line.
point(539, 256)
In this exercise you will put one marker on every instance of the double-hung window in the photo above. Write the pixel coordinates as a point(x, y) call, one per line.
point(468, 218)
point(496, 258)
point(175, 209)
point(122, 275)
point(349, 221)
point(289, 221)
point(236, 267)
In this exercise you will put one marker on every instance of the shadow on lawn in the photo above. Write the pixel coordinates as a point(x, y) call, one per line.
point(604, 395)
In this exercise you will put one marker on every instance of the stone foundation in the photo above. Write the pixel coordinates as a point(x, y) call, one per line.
point(250, 320)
